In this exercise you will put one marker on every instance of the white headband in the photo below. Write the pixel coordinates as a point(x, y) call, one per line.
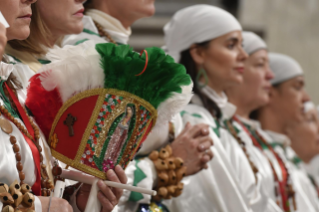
point(253, 43)
point(283, 67)
point(196, 24)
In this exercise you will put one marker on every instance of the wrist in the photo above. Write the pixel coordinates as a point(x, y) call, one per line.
point(170, 172)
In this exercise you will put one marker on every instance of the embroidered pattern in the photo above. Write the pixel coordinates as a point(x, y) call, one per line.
point(117, 131)
point(143, 118)
point(92, 146)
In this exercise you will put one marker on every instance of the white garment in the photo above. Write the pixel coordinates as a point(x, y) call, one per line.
point(312, 168)
point(214, 189)
point(111, 25)
point(283, 67)
point(260, 159)
point(229, 183)
point(306, 196)
point(258, 199)
point(8, 170)
point(252, 43)
point(90, 31)
point(196, 24)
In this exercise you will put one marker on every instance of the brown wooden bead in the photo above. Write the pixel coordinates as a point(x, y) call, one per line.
point(18, 156)
point(43, 184)
point(6, 198)
point(44, 192)
point(41, 158)
point(5, 125)
point(43, 166)
point(17, 196)
point(16, 148)
point(56, 171)
point(19, 166)
point(25, 188)
point(28, 200)
point(48, 184)
point(13, 140)
point(39, 148)
point(21, 175)
point(4, 188)
point(48, 193)
point(8, 208)
point(14, 186)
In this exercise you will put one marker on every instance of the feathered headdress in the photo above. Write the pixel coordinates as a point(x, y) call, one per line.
point(96, 104)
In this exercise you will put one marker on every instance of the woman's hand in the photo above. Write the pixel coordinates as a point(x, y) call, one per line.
point(3, 39)
point(57, 204)
point(109, 197)
point(193, 146)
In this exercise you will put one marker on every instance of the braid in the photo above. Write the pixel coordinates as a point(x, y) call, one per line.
point(103, 33)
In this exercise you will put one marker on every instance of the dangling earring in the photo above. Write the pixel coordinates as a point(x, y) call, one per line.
point(201, 73)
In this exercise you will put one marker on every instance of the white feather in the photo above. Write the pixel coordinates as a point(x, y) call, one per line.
point(73, 69)
point(175, 104)
point(165, 113)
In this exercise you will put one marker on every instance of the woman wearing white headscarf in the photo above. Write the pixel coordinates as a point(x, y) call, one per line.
point(279, 119)
point(207, 41)
point(257, 78)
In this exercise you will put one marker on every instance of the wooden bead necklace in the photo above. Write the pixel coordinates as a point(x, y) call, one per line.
point(46, 183)
point(103, 33)
point(232, 130)
point(287, 192)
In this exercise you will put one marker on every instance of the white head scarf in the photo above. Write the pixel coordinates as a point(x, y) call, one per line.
point(196, 24)
point(283, 67)
point(253, 43)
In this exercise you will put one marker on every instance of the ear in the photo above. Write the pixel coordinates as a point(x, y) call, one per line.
point(273, 93)
point(197, 54)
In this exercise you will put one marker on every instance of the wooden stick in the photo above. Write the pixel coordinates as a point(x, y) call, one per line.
point(88, 179)
point(131, 188)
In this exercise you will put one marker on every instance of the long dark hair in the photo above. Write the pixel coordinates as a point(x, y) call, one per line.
point(191, 67)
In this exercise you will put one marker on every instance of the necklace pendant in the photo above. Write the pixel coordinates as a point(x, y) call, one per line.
point(5, 125)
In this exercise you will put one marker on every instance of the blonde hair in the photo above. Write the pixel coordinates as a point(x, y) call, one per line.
point(38, 40)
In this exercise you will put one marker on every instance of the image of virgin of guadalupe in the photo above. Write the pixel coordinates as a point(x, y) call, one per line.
point(119, 137)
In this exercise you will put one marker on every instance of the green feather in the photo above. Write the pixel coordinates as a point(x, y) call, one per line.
point(161, 78)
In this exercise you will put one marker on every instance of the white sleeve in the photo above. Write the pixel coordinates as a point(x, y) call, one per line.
point(141, 173)
point(37, 205)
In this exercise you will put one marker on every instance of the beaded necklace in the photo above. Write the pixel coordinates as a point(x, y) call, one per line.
point(103, 33)
point(46, 183)
point(283, 187)
point(234, 133)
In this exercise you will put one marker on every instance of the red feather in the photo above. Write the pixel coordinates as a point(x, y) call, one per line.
point(43, 104)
